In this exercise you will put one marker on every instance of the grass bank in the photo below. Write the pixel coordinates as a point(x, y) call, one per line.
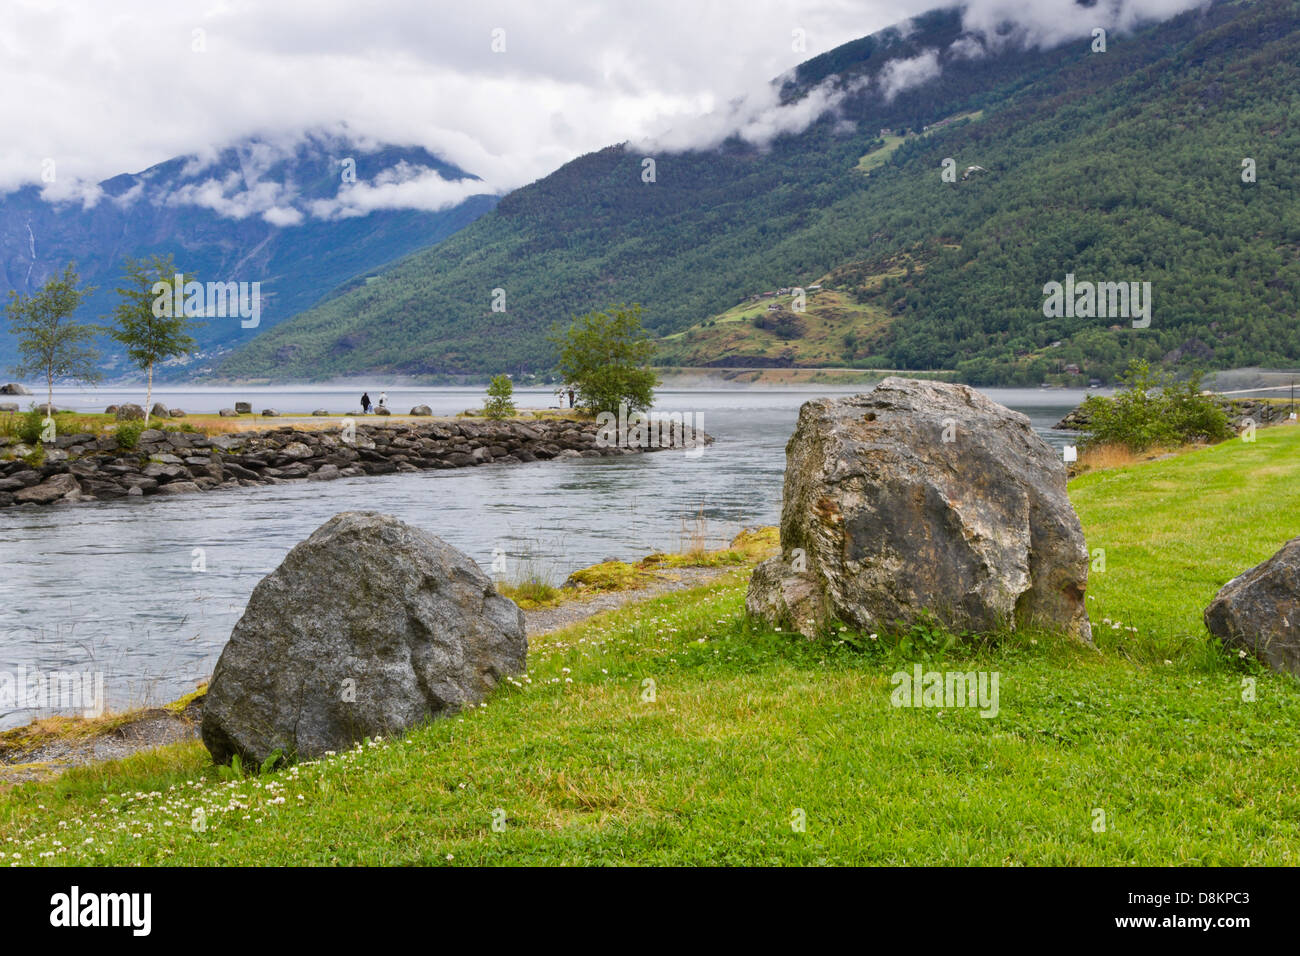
point(676, 732)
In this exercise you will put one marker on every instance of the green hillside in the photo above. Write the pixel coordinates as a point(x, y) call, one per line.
point(1116, 167)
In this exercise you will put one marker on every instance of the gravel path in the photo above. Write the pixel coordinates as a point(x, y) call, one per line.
point(543, 620)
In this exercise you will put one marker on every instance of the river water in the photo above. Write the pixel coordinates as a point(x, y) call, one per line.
point(146, 592)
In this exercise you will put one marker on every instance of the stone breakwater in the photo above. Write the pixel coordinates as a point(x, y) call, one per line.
point(83, 467)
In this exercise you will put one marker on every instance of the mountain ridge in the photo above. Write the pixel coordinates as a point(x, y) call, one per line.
point(1098, 164)
point(251, 211)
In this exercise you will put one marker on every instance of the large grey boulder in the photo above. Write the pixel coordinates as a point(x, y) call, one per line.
point(367, 627)
point(1259, 610)
point(923, 499)
point(159, 410)
point(129, 413)
point(13, 388)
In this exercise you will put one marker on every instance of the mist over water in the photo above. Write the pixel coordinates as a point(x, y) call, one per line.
point(109, 586)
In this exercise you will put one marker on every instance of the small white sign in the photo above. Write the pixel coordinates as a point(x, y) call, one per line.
point(1071, 453)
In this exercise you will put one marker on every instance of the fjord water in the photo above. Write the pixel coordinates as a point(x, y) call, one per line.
point(112, 587)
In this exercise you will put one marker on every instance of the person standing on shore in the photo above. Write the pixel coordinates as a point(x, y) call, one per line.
point(365, 403)
point(383, 399)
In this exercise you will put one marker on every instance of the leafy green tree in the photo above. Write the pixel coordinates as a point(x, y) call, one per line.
point(144, 319)
point(606, 355)
point(50, 343)
point(500, 403)
point(1134, 416)
point(1195, 416)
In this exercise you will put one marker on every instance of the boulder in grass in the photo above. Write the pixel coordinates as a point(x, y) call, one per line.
point(1258, 611)
point(228, 413)
point(243, 408)
point(367, 628)
point(918, 501)
point(159, 410)
point(129, 413)
point(111, 410)
point(270, 413)
point(176, 412)
point(320, 413)
point(422, 410)
point(382, 410)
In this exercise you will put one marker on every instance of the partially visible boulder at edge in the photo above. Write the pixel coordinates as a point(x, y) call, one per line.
point(923, 499)
point(1259, 610)
point(367, 628)
point(13, 388)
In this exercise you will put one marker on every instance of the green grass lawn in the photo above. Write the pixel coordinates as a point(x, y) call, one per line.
point(747, 732)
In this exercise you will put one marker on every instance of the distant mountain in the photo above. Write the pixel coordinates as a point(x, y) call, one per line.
point(303, 220)
point(1117, 166)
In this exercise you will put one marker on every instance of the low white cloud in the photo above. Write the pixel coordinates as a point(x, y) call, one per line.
point(114, 88)
point(283, 216)
point(402, 187)
point(756, 118)
point(65, 189)
point(1049, 23)
point(234, 196)
point(967, 47)
point(111, 88)
point(900, 75)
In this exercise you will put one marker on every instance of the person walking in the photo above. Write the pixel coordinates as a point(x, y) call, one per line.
point(571, 396)
point(365, 403)
point(383, 399)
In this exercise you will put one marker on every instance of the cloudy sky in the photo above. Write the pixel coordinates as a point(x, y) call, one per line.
point(103, 88)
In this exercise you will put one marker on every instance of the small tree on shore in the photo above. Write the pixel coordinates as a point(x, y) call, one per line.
point(500, 403)
point(1151, 409)
point(144, 319)
point(606, 355)
point(50, 344)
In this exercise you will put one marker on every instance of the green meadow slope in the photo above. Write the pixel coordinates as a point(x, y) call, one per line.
point(1142, 750)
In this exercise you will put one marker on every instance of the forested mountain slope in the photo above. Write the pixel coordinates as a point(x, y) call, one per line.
point(1122, 166)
